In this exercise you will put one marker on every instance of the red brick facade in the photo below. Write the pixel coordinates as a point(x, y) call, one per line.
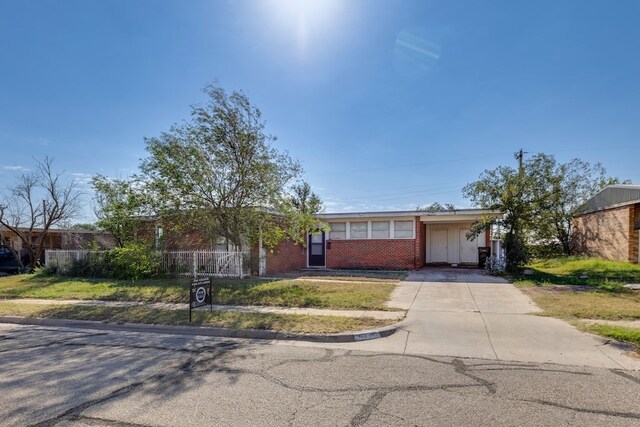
point(287, 256)
point(379, 254)
point(389, 254)
point(609, 234)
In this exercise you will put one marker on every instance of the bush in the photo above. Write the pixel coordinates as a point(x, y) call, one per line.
point(134, 261)
point(495, 266)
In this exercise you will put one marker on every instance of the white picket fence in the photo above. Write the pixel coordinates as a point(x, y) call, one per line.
point(175, 263)
point(206, 263)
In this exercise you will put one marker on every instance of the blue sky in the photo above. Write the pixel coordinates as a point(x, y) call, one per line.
point(387, 104)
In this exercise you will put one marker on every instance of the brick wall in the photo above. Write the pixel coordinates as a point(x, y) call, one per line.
point(607, 234)
point(287, 256)
point(389, 254)
point(421, 244)
point(634, 235)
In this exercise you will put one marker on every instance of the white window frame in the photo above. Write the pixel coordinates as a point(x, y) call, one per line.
point(388, 229)
point(368, 225)
point(370, 229)
point(346, 230)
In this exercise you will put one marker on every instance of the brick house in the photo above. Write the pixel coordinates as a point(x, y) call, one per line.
point(401, 240)
point(608, 224)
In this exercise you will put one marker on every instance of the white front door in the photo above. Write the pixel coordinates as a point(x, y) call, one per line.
point(439, 244)
point(468, 249)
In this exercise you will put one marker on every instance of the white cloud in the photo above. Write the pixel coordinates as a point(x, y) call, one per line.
point(16, 168)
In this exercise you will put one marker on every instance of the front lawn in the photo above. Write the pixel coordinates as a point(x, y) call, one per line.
point(557, 287)
point(312, 292)
point(601, 274)
point(224, 319)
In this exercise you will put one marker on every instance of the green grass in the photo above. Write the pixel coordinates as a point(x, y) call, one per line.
point(306, 293)
point(318, 293)
point(601, 274)
point(59, 287)
point(236, 320)
point(620, 333)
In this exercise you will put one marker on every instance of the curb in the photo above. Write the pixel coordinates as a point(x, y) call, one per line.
point(265, 334)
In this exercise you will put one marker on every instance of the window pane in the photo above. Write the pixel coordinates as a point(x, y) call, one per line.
point(316, 249)
point(338, 230)
point(403, 229)
point(358, 230)
point(380, 229)
point(316, 238)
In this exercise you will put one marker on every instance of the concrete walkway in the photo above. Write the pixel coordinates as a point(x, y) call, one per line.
point(383, 315)
point(464, 313)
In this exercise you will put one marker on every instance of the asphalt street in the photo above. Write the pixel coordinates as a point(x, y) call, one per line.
point(73, 377)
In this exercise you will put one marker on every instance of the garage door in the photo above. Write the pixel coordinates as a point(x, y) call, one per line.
point(468, 249)
point(439, 245)
point(447, 243)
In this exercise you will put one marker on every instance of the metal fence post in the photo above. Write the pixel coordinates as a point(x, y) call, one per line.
point(195, 264)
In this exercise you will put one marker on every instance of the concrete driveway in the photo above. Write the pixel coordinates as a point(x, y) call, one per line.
point(465, 313)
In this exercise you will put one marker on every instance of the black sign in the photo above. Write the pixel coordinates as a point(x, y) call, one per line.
point(200, 292)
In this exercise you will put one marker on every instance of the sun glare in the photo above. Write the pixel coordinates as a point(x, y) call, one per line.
point(304, 21)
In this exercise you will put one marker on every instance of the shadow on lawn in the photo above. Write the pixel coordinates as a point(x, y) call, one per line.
point(609, 281)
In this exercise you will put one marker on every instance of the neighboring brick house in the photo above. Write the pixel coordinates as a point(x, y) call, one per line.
point(401, 240)
point(608, 224)
point(63, 238)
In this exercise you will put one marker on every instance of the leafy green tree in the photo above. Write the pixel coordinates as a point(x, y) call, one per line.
point(538, 201)
point(220, 170)
point(510, 191)
point(437, 207)
point(564, 187)
point(122, 207)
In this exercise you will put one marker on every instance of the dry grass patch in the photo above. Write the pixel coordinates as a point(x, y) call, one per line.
point(235, 320)
point(582, 303)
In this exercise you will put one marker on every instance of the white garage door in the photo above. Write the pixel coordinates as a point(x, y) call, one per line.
point(468, 249)
point(447, 243)
point(439, 245)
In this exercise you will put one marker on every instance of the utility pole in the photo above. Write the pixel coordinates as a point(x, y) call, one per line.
point(519, 155)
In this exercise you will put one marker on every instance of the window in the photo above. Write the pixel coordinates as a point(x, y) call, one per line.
point(403, 229)
point(338, 230)
point(358, 230)
point(380, 229)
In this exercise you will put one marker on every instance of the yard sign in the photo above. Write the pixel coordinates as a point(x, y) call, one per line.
point(200, 294)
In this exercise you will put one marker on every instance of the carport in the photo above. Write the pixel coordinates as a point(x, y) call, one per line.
point(446, 237)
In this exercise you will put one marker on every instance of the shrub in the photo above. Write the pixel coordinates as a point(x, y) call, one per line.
point(495, 266)
point(135, 261)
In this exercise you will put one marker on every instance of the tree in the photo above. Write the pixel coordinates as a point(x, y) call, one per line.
point(121, 207)
point(539, 200)
point(39, 200)
point(564, 187)
point(221, 171)
point(304, 200)
point(510, 191)
point(437, 207)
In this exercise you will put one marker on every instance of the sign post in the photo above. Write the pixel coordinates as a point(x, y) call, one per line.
point(199, 294)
